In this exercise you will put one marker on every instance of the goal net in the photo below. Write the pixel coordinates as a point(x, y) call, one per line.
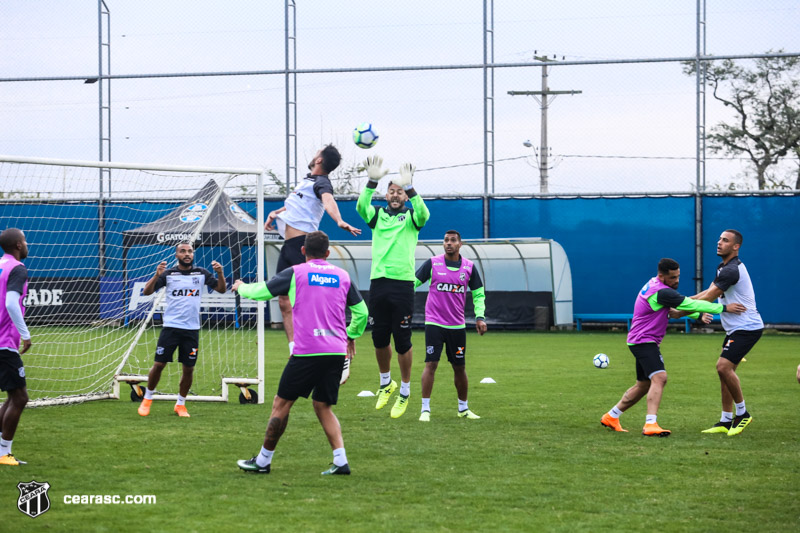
point(96, 232)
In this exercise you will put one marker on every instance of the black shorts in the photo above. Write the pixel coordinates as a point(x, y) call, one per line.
point(291, 253)
point(391, 306)
point(12, 371)
point(648, 360)
point(186, 341)
point(320, 373)
point(454, 339)
point(739, 343)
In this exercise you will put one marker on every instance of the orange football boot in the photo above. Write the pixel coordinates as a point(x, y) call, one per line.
point(611, 422)
point(654, 430)
point(144, 407)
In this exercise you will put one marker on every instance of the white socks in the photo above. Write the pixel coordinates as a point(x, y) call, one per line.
point(615, 412)
point(726, 417)
point(405, 388)
point(181, 400)
point(650, 419)
point(740, 409)
point(5, 447)
point(426, 404)
point(148, 394)
point(462, 406)
point(386, 378)
point(264, 457)
point(339, 457)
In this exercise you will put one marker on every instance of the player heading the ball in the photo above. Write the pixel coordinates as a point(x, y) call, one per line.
point(301, 214)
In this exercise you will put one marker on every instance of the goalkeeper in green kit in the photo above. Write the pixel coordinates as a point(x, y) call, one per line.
point(395, 230)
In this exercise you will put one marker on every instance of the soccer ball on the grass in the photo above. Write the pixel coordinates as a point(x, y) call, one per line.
point(365, 136)
point(601, 360)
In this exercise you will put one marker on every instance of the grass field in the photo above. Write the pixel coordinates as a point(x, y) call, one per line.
point(71, 361)
point(538, 460)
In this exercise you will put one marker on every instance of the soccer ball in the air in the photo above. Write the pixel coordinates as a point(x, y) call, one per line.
point(365, 136)
point(601, 360)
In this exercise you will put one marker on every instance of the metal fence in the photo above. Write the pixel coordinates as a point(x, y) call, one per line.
point(601, 103)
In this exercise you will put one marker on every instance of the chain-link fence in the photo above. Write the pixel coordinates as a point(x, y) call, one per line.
point(611, 105)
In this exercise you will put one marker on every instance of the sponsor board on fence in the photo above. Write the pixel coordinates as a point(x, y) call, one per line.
point(62, 300)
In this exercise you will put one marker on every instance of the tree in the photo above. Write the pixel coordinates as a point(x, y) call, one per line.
point(344, 179)
point(765, 96)
point(797, 181)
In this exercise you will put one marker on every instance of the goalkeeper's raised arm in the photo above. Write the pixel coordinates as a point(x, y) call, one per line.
point(395, 228)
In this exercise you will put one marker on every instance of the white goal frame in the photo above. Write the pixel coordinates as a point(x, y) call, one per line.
point(134, 380)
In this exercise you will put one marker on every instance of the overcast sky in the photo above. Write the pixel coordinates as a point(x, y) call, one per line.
point(431, 118)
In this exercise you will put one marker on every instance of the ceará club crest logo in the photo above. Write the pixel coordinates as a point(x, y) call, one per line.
point(33, 500)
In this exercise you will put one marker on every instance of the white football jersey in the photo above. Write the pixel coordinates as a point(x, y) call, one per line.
point(185, 289)
point(304, 207)
point(734, 280)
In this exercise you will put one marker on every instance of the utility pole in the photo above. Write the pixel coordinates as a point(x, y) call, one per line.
point(544, 104)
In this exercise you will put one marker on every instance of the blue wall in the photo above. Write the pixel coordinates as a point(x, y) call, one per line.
point(613, 244)
point(466, 216)
point(770, 247)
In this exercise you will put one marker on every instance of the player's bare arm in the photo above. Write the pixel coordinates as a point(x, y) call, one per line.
point(710, 294)
point(332, 208)
point(26, 345)
point(221, 285)
point(269, 225)
point(150, 286)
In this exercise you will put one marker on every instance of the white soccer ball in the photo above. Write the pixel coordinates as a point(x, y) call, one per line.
point(601, 360)
point(365, 135)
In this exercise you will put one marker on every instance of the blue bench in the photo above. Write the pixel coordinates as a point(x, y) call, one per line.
point(619, 317)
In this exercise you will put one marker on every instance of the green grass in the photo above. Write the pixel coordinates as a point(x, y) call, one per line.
point(538, 460)
point(70, 361)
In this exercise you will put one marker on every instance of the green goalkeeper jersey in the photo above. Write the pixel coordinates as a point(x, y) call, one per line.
point(394, 234)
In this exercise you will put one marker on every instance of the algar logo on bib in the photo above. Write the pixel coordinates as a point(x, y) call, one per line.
point(323, 280)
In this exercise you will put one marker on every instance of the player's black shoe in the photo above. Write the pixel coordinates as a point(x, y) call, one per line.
point(251, 466)
point(739, 423)
point(337, 471)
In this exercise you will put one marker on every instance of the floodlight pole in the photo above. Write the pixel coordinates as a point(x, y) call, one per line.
point(104, 116)
point(544, 104)
point(701, 71)
point(290, 85)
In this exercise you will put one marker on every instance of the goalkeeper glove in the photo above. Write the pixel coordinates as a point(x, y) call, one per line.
point(373, 166)
point(406, 173)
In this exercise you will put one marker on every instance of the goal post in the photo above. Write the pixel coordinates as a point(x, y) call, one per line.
point(96, 232)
